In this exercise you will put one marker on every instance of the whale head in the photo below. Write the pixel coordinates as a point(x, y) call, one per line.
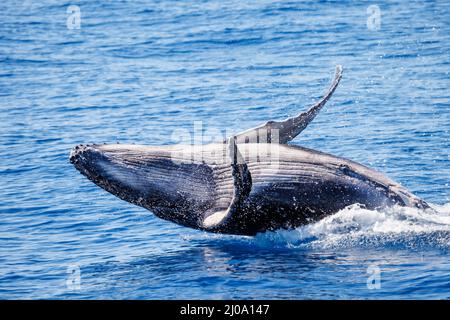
point(149, 177)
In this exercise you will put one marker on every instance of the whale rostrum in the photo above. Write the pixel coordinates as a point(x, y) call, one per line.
point(252, 182)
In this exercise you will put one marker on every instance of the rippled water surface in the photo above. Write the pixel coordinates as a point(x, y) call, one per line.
point(136, 71)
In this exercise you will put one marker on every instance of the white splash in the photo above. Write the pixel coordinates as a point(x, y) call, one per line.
point(356, 226)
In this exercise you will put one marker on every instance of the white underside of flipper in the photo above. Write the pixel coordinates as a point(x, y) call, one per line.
point(241, 188)
point(215, 219)
point(271, 132)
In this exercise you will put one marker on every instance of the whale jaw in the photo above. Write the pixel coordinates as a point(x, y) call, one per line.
point(108, 173)
point(148, 177)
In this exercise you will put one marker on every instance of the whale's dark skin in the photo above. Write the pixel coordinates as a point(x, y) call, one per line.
point(244, 185)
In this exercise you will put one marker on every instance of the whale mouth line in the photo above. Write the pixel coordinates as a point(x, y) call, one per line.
point(93, 163)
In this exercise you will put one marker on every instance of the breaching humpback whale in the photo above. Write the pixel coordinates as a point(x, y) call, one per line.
point(251, 182)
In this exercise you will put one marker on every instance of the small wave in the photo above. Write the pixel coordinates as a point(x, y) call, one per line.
point(355, 226)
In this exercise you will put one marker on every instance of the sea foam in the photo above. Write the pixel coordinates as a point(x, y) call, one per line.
point(356, 226)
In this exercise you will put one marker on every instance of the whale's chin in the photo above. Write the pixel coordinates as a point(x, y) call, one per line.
point(106, 169)
point(148, 177)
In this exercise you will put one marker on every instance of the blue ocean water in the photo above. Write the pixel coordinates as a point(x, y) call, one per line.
point(136, 71)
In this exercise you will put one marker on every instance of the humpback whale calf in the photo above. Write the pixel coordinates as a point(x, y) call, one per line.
point(252, 182)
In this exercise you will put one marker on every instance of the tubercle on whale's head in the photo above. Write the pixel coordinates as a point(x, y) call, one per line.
point(147, 176)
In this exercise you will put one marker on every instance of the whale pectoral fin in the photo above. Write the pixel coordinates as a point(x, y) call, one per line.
point(286, 130)
point(242, 185)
